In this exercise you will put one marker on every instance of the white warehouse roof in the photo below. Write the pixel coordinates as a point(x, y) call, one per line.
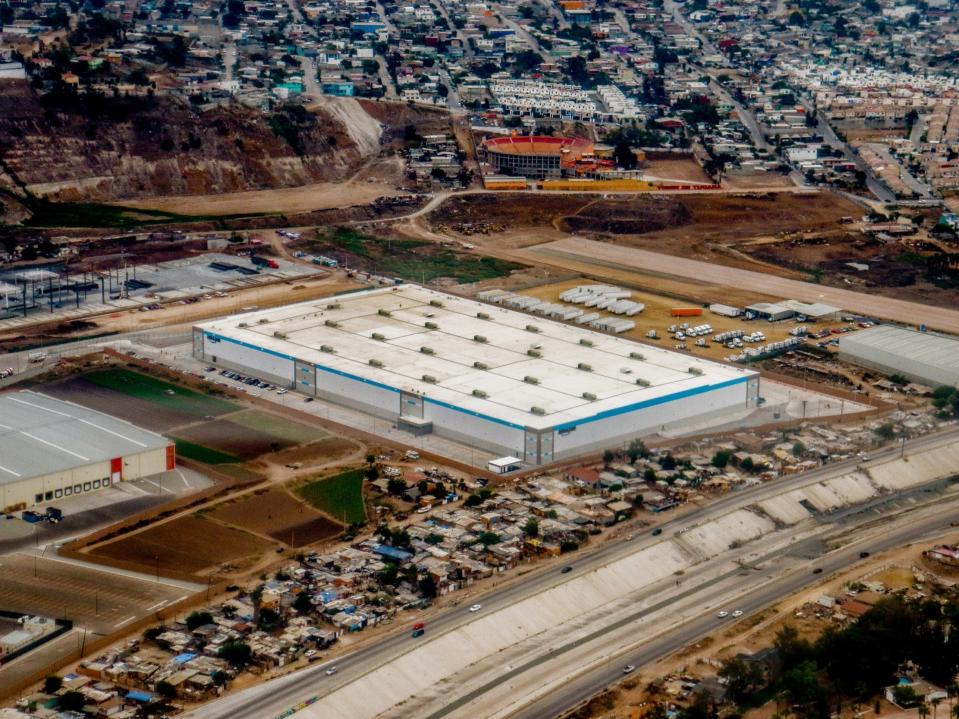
point(579, 374)
point(41, 435)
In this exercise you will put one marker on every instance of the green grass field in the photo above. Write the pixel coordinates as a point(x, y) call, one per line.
point(279, 427)
point(92, 214)
point(199, 453)
point(159, 392)
point(340, 496)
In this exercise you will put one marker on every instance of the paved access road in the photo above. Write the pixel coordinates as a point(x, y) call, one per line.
point(273, 698)
point(699, 272)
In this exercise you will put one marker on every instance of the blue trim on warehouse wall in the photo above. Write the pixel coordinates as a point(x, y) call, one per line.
point(651, 403)
point(560, 427)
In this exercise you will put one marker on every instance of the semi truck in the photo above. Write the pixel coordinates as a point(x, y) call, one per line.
point(264, 262)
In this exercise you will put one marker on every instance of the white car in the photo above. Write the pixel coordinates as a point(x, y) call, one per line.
point(738, 613)
point(476, 607)
point(629, 669)
point(331, 671)
point(723, 614)
point(309, 653)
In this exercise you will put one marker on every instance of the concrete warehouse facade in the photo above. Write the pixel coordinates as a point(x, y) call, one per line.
point(493, 378)
point(50, 449)
point(922, 357)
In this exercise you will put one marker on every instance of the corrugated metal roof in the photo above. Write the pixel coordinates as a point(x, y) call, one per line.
point(936, 351)
point(41, 435)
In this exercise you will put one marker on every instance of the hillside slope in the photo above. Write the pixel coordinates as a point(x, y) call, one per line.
point(72, 148)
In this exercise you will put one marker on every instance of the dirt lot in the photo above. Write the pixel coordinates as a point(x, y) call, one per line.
point(141, 412)
point(319, 452)
point(688, 170)
point(279, 515)
point(317, 196)
point(657, 316)
point(189, 545)
point(233, 438)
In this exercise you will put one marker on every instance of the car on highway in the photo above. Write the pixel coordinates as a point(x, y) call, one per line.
point(476, 607)
point(723, 614)
point(331, 671)
point(817, 570)
point(308, 399)
point(629, 669)
point(657, 531)
point(566, 570)
point(738, 613)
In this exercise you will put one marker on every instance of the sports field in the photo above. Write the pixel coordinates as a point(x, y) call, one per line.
point(340, 496)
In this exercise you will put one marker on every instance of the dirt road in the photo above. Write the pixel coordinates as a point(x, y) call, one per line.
point(603, 255)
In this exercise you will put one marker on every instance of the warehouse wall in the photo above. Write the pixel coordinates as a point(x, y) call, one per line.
point(620, 428)
point(479, 432)
point(80, 480)
point(249, 360)
point(358, 394)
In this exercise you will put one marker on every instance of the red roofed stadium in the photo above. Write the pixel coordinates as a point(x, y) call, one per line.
point(537, 155)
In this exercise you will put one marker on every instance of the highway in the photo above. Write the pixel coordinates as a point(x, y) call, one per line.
point(591, 683)
point(708, 579)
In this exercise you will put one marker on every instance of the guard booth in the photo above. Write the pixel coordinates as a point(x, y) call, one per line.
point(504, 465)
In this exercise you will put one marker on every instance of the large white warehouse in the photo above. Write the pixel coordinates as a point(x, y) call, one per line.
point(492, 377)
point(51, 449)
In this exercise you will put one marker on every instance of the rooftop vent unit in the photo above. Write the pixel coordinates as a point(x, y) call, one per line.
point(332, 323)
point(529, 379)
point(532, 328)
point(482, 315)
point(589, 396)
point(379, 336)
point(427, 350)
point(431, 326)
point(262, 321)
point(696, 371)
point(637, 356)
point(435, 303)
point(383, 313)
point(327, 348)
point(429, 378)
point(585, 367)
point(642, 382)
point(586, 343)
point(480, 393)
point(375, 363)
point(537, 410)
point(480, 365)
point(534, 353)
point(280, 335)
point(243, 324)
point(333, 306)
point(480, 338)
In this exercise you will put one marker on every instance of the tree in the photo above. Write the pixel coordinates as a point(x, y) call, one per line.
point(71, 701)
point(433, 538)
point(428, 586)
point(624, 155)
point(608, 457)
point(742, 678)
point(489, 538)
point(198, 619)
point(886, 431)
point(236, 652)
point(806, 693)
point(568, 546)
point(721, 458)
point(912, 117)
point(303, 604)
point(531, 528)
point(165, 689)
point(636, 449)
point(52, 684)
point(396, 486)
point(796, 19)
point(269, 618)
point(473, 500)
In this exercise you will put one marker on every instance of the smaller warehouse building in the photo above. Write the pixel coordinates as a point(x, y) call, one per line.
point(51, 449)
point(922, 357)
